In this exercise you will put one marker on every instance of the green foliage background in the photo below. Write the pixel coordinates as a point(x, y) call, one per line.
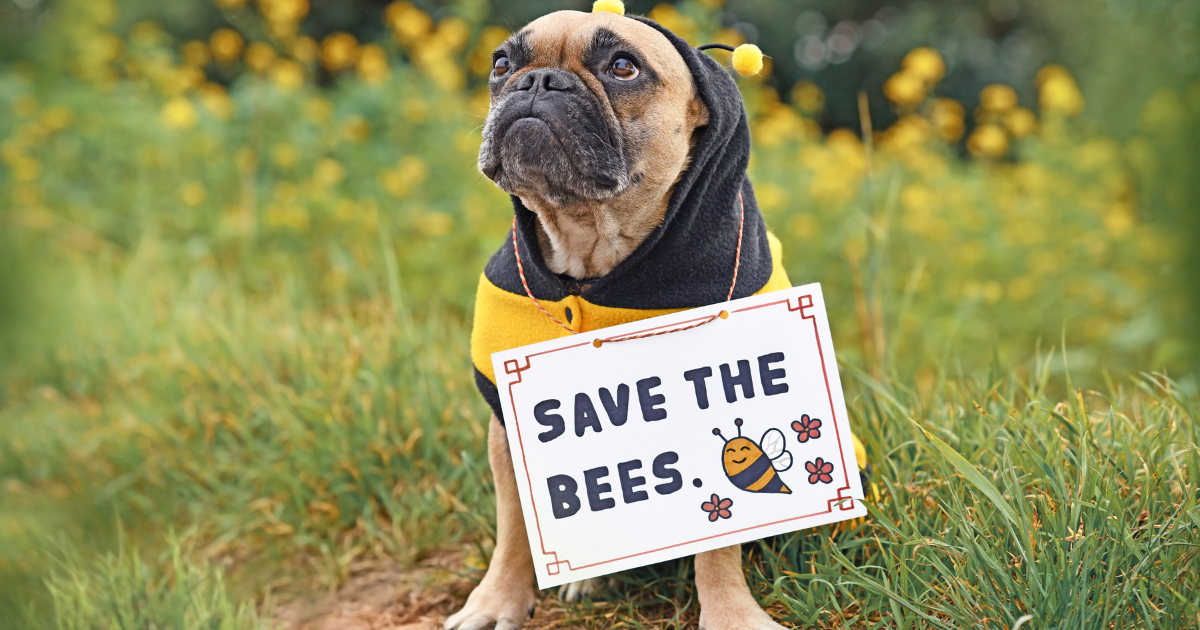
point(235, 296)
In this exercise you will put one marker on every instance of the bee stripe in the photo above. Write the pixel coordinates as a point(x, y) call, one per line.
point(765, 480)
point(752, 473)
point(776, 485)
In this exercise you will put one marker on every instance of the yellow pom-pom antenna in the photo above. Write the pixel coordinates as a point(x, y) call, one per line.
point(610, 6)
point(747, 58)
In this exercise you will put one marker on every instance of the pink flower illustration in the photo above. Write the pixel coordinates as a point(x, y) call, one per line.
point(717, 508)
point(807, 428)
point(819, 471)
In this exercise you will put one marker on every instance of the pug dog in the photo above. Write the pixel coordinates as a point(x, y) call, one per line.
point(594, 122)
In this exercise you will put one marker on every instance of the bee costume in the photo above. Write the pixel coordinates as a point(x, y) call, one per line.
point(687, 262)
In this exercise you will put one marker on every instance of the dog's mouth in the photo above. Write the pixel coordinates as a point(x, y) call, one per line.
point(537, 145)
point(738, 461)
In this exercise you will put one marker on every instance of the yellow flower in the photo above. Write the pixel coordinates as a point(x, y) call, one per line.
point(195, 53)
point(24, 105)
point(401, 180)
point(674, 21)
point(1057, 91)
point(145, 33)
point(192, 194)
point(373, 64)
point(925, 64)
point(56, 118)
point(947, 118)
point(905, 90)
point(226, 45)
point(260, 56)
point(305, 49)
point(318, 109)
point(26, 169)
point(285, 155)
point(339, 51)
point(283, 10)
point(329, 172)
point(357, 129)
point(1020, 122)
point(287, 75)
point(216, 100)
point(988, 141)
point(480, 59)
point(407, 21)
point(808, 97)
point(1163, 112)
point(287, 215)
point(453, 32)
point(179, 113)
point(434, 223)
point(997, 98)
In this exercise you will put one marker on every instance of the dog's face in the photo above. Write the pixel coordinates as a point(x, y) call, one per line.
point(589, 109)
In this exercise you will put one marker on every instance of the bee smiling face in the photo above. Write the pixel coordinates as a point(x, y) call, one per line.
point(739, 453)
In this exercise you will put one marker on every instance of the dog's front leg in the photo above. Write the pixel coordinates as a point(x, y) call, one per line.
point(505, 596)
point(725, 599)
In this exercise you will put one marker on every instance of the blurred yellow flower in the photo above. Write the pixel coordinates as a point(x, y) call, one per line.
point(454, 33)
point(146, 33)
point(179, 113)
point(947, 117)
point(988, 141)
point(925, 64)
point(1097, 154)
point(434, 223)
point(997, 98)
point(808, 97)
point(674, 21)
point(407, 22)
point(284, 155)
point(26, 169)
point(1118, 220)
point(409, 173)
point(328, 172)
point(357, 129)
point(260, 56)
point(1165, 111)
point(1020, 122)
point(216, 100)
point(905, 90)
point(103, 12)
point(1057, 91)
point(287, 75)
point(57, 118)
point(1140, 154)
point(287, 215)
point(287, 11)
point(373, 64)
point(305, 49)
point(318, 109)
point(414, 109)
point(480, 59)
point(24, 105)
point(192, 194)
point(195, 53)
point(226, 45)
point(339, 51)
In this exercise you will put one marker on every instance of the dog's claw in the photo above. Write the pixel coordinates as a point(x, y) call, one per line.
point(575, 591)
point(499, 608)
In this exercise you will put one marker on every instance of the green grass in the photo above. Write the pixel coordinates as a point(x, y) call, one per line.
point(254, 328)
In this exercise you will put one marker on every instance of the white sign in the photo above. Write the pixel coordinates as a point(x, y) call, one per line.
point(631, 451)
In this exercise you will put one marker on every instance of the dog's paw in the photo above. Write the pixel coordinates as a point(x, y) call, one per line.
point(737, 616)
point(499, 608)
point(576, 591)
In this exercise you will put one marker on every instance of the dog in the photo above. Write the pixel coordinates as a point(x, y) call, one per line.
point(624, 150)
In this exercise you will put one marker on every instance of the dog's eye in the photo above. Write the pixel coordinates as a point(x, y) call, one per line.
point(501, 66)
point(623, 69)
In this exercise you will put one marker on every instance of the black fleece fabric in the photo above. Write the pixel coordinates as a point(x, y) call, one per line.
point(688, 261)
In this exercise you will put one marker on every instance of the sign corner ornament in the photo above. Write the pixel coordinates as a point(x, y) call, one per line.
point(667, 445)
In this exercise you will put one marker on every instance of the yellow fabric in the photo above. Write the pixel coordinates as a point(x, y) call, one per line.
point(506, 320)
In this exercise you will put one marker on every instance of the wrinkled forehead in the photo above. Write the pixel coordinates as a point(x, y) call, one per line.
point(566, 37)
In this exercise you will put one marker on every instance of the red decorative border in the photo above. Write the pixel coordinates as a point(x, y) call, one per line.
point(804, 303)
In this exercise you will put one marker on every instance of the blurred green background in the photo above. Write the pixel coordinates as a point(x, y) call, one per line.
point(239, 242)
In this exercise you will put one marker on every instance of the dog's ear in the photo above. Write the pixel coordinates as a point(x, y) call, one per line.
point(697, 113)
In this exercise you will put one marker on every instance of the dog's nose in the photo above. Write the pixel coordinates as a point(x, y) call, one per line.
point(550, 79)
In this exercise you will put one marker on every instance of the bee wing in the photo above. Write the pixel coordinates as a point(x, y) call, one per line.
point(773, 443)
point(783, 462)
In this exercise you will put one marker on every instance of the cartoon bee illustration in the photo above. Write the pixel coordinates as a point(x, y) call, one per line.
point(756, 467)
